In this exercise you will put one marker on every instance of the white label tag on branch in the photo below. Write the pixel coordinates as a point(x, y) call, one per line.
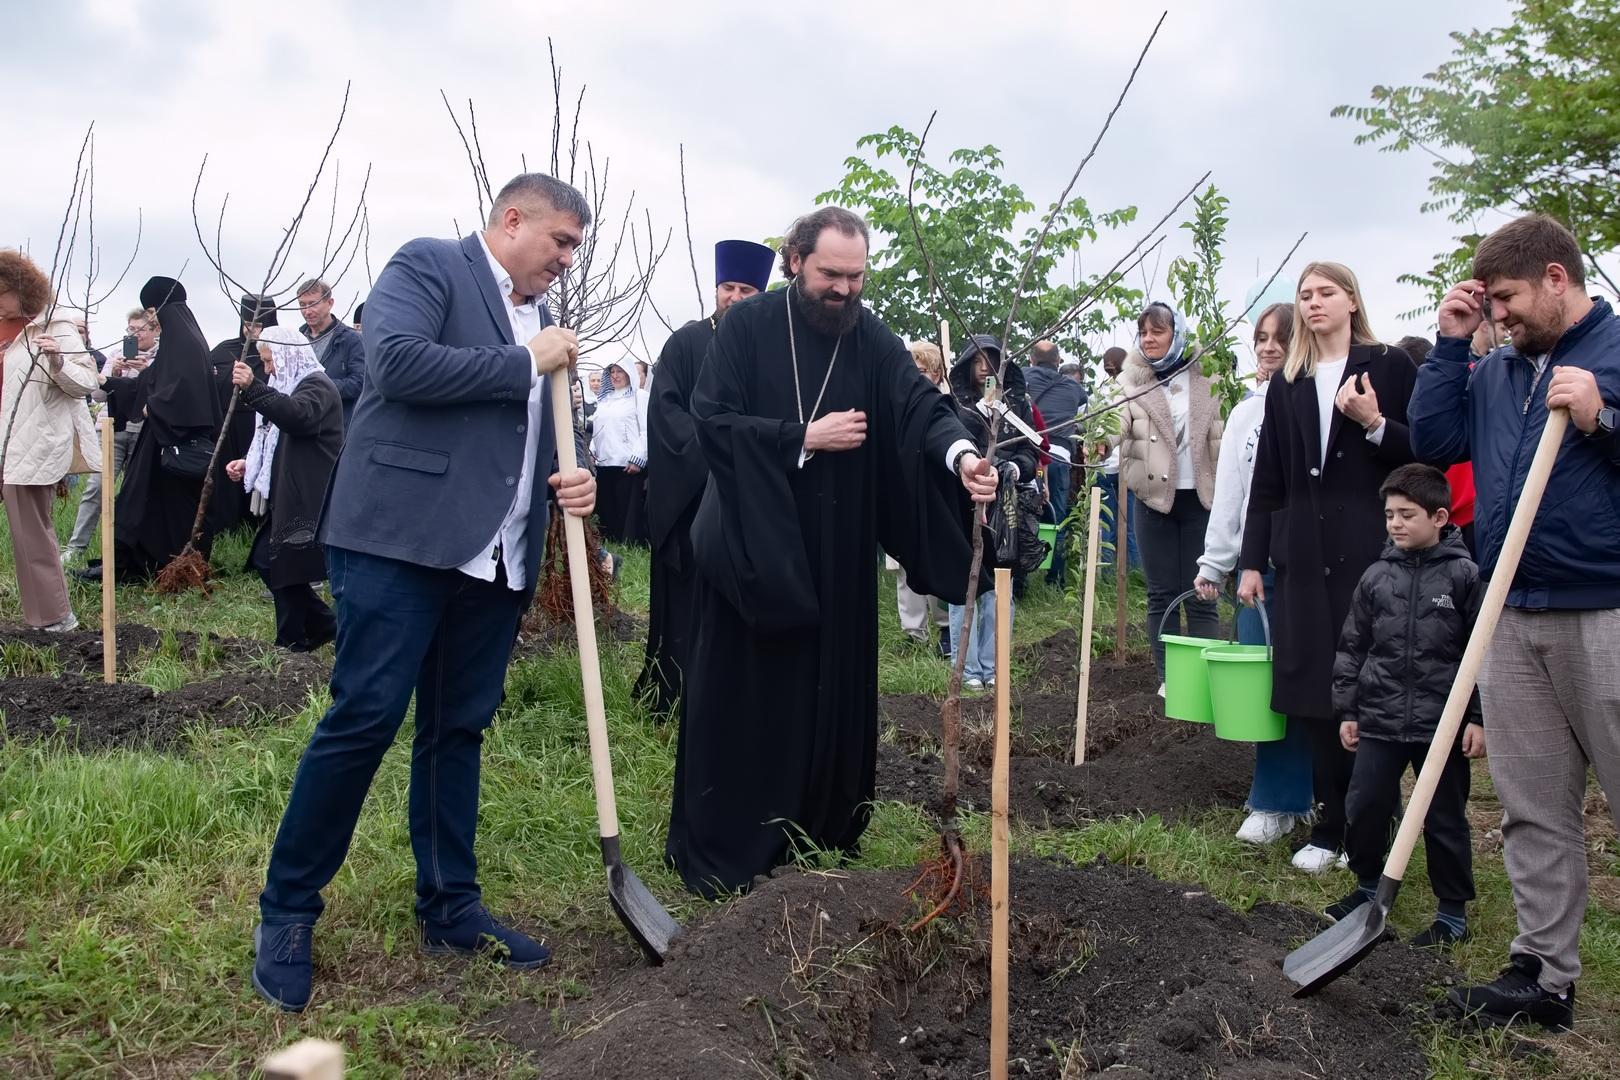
point(1013, 419)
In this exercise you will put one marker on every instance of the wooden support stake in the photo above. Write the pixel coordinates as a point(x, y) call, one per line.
point(998, 829)
point(311, 1059)
point(945, 344)
point(1122, 570)
point(109, 577)
point(1093, 542)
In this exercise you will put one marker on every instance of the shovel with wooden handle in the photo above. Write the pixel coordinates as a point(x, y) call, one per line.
point(634, 904)
point(1342, 946)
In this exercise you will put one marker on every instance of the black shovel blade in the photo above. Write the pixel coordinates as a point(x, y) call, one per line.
point(1344, 944)
point(651, 926)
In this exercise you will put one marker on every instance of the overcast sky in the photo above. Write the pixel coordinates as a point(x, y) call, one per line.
point(768, 99)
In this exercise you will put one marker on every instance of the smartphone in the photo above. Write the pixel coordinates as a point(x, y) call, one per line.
point(130, 347)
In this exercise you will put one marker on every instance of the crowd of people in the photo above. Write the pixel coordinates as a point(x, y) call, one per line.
point(783, 441)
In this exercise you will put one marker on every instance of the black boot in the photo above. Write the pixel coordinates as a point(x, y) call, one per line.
point(1517, 995)
point(945, 642)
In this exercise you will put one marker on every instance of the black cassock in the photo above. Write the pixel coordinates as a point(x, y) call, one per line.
point(778, 740)
point(228, 507)
point(676, 475)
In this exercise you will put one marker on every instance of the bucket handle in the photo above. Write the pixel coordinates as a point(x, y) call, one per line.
point(1265, 620)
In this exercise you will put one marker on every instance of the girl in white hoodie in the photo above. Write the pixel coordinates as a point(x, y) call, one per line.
point(1281, 793)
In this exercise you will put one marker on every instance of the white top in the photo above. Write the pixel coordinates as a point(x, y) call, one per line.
point(509, 538)
point(1240, 445)
point(1329, 374)
point(619, 429)
point(1178, 392)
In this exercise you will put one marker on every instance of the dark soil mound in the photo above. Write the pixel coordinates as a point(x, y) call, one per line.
point(1109, 969)
point(1136, 760)
point(80, 652)
point(540, 636)
point(91, 715)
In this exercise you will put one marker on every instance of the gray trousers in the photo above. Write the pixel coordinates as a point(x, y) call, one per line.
point(1550, 689)
point(917, 611)
point(84, 525)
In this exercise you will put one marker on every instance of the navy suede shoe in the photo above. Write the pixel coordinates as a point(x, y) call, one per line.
point(281, 964)
point(477, 932)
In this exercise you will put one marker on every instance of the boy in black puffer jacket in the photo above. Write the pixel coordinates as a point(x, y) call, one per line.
point(1409, 623)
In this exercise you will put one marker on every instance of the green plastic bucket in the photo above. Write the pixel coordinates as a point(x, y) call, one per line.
point(1048, 534)
point(1240, 690)
point(1186, 676)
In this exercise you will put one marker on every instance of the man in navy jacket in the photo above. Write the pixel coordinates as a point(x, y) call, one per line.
point(435, 525)
point(339, 348)
point(1550, 685)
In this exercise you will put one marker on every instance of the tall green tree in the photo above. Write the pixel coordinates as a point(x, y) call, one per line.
point(1521, 118)
point(1192, 283)
point(969, 216)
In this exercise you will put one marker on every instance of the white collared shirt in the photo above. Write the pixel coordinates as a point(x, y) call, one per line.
point(509, 539)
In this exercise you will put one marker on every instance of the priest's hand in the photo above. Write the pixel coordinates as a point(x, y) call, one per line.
point(576, 491)
point(836, 431)
point(241, 375)
point(978, 477)
point(553, 349)
point(235, 470)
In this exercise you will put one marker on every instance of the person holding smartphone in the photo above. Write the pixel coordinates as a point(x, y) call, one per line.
point(139, 347)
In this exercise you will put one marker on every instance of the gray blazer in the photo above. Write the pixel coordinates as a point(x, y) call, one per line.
point(431, 458)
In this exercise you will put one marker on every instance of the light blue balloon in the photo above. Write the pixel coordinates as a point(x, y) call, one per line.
point(1261, 296)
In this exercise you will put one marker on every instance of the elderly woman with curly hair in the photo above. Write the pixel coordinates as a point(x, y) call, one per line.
point(47, 431)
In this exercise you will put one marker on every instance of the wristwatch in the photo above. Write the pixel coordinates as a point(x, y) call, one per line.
point(1608, 422)
point(956, 462)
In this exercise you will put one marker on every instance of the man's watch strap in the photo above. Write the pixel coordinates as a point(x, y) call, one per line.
point(1608, 422)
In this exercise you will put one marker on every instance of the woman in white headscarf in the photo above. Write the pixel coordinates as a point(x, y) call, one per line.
point(619, 444)
point(288, 465)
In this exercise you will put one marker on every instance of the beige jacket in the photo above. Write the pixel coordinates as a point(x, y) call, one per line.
point(1147, 438)
point(52, 434)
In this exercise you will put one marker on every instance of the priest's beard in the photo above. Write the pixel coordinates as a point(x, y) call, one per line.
point(826, 316)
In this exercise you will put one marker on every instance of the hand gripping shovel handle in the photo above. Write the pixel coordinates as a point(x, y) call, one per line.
point(632, 901)
point(1462, 688)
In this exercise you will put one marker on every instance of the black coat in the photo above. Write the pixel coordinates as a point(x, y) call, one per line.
point(311, 423)
point(967, 392)
point(1409, 622)
point(1320, 527)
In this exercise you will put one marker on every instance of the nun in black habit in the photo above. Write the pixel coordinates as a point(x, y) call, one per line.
point(676, 472)
point(229, 506)
point(778, 744)
point(157, 503)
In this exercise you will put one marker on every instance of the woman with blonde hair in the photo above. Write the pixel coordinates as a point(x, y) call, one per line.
point(47, 430)
point(1334, 426)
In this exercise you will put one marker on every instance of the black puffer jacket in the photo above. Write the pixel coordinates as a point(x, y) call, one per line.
point(1020, 501)
point(1409, 622)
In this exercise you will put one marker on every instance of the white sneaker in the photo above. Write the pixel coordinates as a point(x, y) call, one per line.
point(1161, 689)
point(1317, 860)
point(973, 684)
point(69, 623)
point(1265, 827)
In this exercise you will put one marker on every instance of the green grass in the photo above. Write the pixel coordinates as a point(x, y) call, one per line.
point(128, 880)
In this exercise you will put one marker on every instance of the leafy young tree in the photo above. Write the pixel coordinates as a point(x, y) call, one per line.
point(969, 218)
point(1521, 118)
point(1192, 283)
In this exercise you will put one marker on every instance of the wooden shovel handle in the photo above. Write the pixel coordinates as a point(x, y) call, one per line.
point(579, 577)
point(109, 575)
point(1083, 701)
point(1507, 565)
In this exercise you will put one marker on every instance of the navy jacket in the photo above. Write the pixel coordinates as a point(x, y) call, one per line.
point(1058, 398)
point(1494, 417)
point(345, 363)
point(429, 466)
point(1409, 622)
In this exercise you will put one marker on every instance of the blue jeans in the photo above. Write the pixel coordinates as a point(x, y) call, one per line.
point(1110, 529)
point(401, 628)
point(1057, 484)
point(981, 655)
point(1282, 769)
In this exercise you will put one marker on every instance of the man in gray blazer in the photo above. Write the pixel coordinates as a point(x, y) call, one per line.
point(435, 525)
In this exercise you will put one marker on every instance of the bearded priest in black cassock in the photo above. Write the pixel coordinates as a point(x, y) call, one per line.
point(676, 473)
point(822, 441)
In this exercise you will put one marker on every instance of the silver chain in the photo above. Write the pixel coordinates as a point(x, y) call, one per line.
point(793, 351)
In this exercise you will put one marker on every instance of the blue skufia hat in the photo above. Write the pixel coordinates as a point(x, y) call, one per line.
point(743, 261)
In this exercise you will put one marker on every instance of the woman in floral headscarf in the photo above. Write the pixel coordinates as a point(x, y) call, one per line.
point(619, 444)
point(288, 465)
